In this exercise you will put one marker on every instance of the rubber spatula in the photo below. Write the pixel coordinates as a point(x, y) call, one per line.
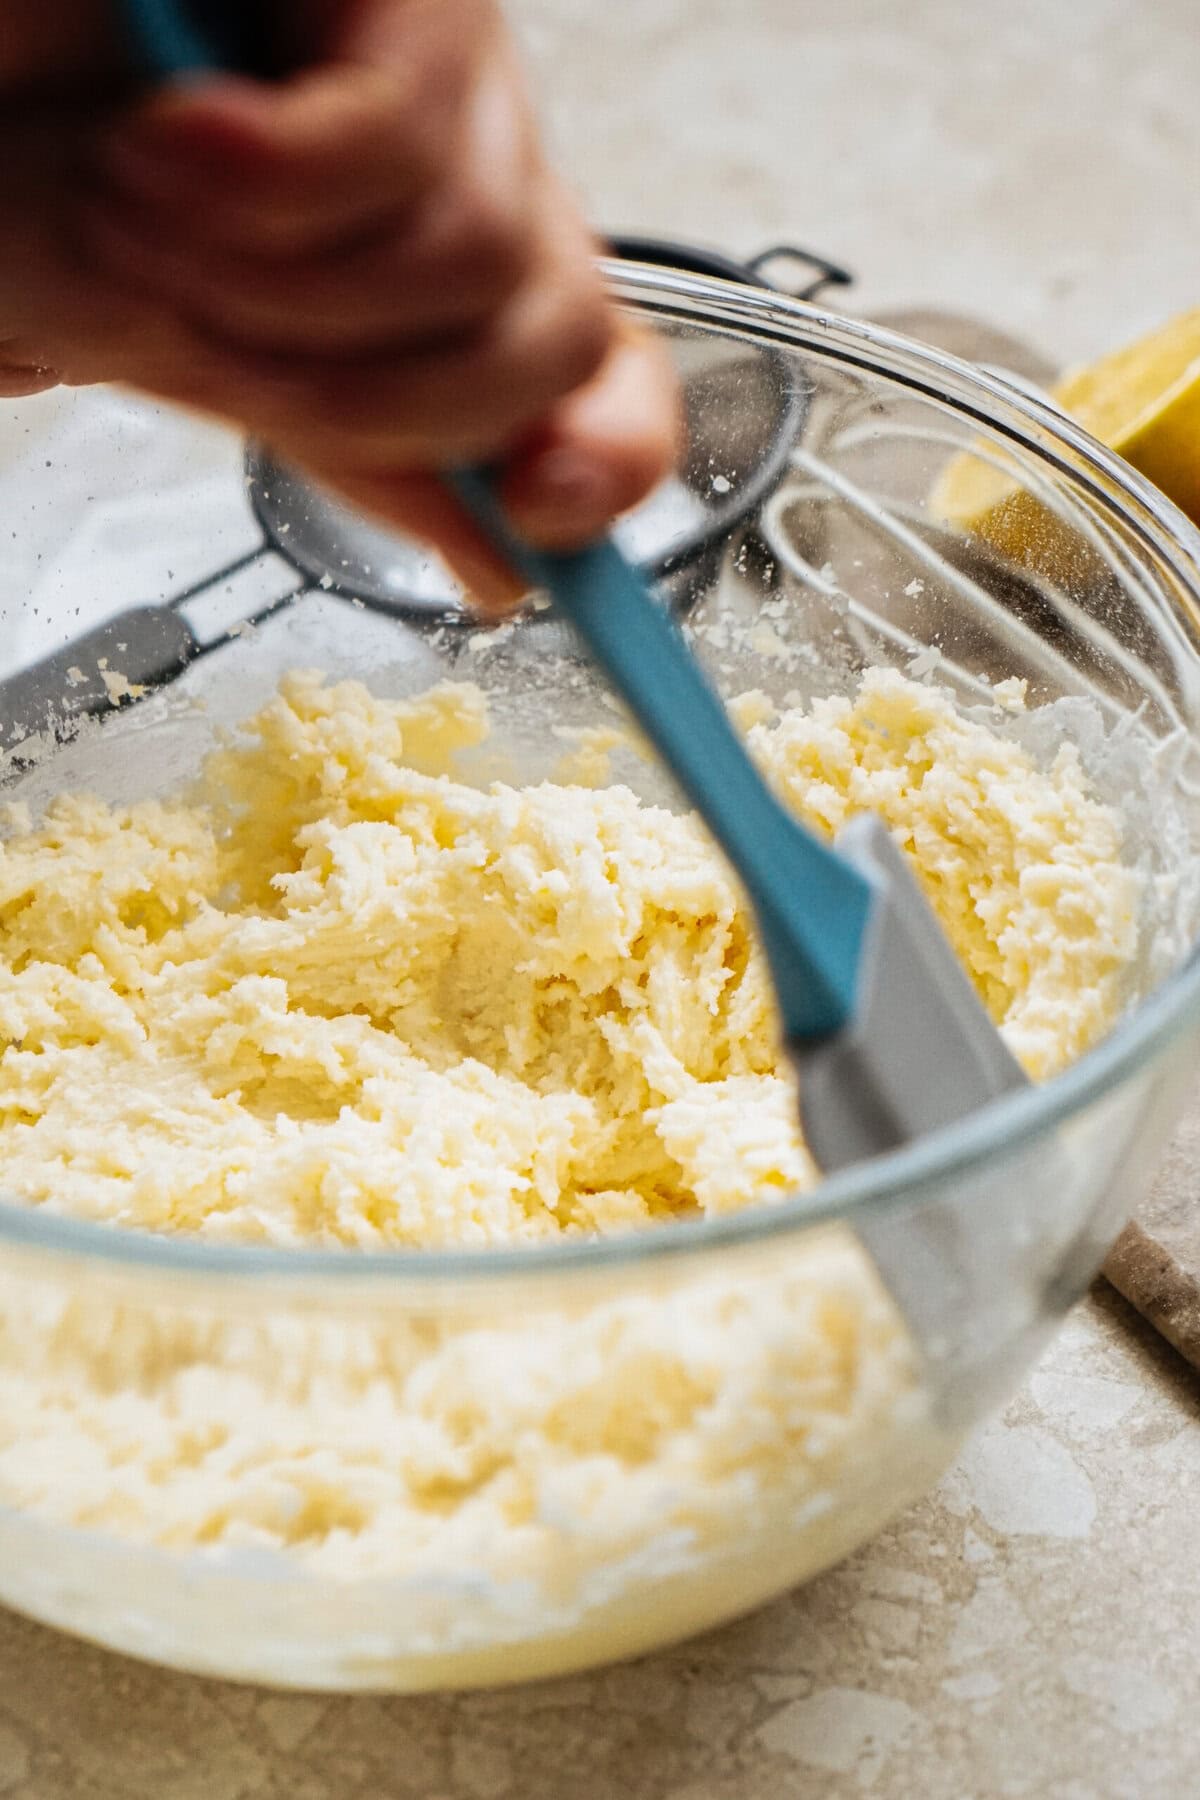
point(886, 1031)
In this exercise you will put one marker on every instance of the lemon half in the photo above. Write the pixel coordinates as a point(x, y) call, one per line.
point(1142, 401)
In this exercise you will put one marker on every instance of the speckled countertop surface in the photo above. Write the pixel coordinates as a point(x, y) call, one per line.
point(1033, 1629)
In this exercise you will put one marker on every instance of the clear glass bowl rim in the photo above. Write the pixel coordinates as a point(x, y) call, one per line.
point(888, 1184)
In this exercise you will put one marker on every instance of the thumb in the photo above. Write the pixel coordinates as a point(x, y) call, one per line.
point(600, 451)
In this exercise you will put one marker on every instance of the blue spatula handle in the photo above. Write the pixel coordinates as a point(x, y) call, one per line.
point(812, 907)
point(201, 39)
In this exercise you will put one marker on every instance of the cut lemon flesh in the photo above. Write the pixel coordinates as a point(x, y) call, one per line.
point(1143, 401)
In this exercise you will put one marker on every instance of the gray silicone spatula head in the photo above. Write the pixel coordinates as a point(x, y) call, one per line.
point(918, 1050)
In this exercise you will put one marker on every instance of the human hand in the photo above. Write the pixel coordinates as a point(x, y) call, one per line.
point(370, 265)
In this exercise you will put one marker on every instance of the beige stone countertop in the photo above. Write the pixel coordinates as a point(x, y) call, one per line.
point(1033, 1629)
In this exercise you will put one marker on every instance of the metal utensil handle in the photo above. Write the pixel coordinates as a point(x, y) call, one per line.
point(820, 272)
point(141, 647)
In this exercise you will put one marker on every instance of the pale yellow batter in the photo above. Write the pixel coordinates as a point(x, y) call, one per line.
point(336, 996)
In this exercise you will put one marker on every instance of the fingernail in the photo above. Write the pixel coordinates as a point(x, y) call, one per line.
point(18, 381)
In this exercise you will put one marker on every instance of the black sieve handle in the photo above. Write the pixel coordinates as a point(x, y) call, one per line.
point(141, 647)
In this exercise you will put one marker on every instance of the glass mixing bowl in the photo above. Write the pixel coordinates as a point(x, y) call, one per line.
point(415, 1470)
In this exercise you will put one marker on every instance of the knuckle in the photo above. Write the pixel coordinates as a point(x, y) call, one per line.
point(487, 255)
point(638, 467)
point(446, 47)
point(583, 337)
point(476, 236)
